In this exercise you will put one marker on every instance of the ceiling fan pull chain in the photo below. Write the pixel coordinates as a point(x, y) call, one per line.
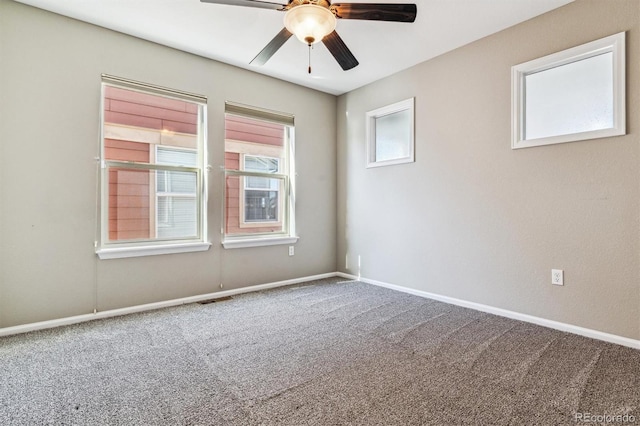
point(309, 58)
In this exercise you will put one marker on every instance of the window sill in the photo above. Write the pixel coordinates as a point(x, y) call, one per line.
point(151, 250)
point(258, 242)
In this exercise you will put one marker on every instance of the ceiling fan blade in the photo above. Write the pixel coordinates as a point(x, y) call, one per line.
point(340, 51)
point(271, 48)
point(395, 12)
point(251, 3)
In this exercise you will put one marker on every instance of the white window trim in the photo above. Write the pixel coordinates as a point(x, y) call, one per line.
point(115, 250)
point(151, 250)
point(253, 241)
point(406, 105)
point(614, 44)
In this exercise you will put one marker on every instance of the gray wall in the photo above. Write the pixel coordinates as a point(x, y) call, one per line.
point(49, 106)
point(473, 219)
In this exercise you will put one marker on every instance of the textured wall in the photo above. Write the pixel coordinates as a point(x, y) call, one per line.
point(475, 220)
point(50, 69)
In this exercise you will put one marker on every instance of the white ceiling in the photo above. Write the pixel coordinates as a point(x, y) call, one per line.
point(235, 34)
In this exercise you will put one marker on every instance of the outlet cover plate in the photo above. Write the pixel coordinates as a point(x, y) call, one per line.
point(557, 277)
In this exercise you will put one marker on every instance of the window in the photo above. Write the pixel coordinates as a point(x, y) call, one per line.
point(390, 134)
point(259, 196)
point(572, 95)
point(153, 191)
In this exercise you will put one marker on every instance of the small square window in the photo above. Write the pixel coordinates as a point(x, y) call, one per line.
point(572, 95)
point(390, 134)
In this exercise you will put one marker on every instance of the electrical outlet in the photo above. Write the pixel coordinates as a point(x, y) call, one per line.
point(557, 277)
point(291, 250)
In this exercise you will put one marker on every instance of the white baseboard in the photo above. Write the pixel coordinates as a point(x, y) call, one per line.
point(594, 334)
point(587, 332)
point(18, 329)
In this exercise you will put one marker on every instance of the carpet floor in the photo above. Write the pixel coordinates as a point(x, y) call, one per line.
point(327, 352)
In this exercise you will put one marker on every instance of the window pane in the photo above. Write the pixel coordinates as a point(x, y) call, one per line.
point(572, 98)
point(137, 212)
point(393, 133)
point(130, 204)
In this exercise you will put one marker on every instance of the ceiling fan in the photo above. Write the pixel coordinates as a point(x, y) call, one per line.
point(313, 21)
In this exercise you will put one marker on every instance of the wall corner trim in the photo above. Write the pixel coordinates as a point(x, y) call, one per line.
point(569, 328)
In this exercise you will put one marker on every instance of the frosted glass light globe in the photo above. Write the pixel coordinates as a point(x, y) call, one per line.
point(309, 22)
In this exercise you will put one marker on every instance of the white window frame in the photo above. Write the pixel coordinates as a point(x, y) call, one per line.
point(287, 187)
point(614, 44)
point(106, 249)
point(372, 116)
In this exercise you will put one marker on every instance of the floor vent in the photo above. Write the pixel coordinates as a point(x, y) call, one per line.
point(220, 299)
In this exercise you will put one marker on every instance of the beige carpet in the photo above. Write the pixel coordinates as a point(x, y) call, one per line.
point(325, 353)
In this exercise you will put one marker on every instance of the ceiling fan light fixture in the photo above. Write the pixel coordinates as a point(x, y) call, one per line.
point(310, 23)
